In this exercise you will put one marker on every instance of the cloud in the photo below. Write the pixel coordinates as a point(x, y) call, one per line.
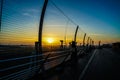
point(32, 10)
point(99, 36)
point(27, 14)
point(96, 34)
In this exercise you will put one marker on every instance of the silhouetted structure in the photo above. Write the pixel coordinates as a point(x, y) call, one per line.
point(99, 43)
point(88, 41)
point(61, 41)
point(92, 43)
point(84, 39)
point(39, 43)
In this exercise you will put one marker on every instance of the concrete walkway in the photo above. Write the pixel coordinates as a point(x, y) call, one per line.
point(100, 64)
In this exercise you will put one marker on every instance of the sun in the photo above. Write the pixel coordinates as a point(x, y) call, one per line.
point(50, 40)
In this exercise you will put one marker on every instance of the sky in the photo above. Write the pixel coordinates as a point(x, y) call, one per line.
point(100, 19)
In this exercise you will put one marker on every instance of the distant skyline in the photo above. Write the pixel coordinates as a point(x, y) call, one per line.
point(100, 19)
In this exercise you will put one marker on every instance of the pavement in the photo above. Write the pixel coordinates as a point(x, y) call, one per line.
point(104, 66)
point(100, 64)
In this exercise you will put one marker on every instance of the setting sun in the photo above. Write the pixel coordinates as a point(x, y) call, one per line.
point(50, 40)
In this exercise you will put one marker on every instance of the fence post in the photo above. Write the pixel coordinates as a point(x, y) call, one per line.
point(84, 39)
point(76, 33)
point(38, 45)
point(74, 49)
point(41, 25)
point(74, 58)
point(99, 43)
point(88, 41)
point(92, 43)
point(90, 47)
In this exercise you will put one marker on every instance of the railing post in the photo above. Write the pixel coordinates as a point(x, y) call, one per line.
point(84, 39)
point(99, 43)
point(74, 49)
point(1, 8)
point(90, 47)
point(92, 43)
point(38, 45)
point(88, 41)
point(41, 25)
point(76, 33)
point(61, 46)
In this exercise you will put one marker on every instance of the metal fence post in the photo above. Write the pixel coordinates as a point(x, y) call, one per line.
point(84, 39)
point(74, 49)
point(88, 41)
point(38, 44)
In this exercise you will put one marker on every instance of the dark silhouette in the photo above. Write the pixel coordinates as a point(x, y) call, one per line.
point(61, 46)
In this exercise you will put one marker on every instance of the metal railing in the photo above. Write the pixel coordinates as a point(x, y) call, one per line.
point(31, 65)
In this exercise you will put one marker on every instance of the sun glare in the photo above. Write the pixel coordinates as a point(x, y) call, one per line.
point(50, 40)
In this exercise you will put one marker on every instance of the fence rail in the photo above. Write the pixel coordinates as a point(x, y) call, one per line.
point(30, 63)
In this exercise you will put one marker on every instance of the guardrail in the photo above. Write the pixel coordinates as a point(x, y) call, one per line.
point(31, 66)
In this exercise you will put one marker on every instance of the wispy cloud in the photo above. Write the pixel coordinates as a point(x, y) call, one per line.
point(30, 12)
point(96, 34)
point(27, 14)
point(33, 10)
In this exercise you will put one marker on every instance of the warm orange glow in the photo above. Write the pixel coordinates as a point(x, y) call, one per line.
point(50, 40)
